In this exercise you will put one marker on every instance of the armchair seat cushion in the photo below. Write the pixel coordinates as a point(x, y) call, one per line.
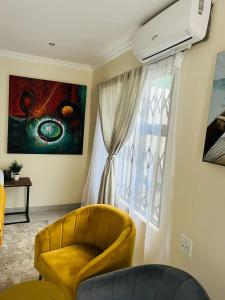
point(62, 265)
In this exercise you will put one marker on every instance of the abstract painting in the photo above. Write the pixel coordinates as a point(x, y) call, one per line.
point(45, 117)
point(214, 150)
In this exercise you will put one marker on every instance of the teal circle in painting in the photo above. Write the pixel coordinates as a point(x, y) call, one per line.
point(50, 130)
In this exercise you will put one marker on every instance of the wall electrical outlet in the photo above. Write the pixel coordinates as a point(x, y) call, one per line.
point(185, 245)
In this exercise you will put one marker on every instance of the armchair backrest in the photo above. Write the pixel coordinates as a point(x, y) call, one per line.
point(100, 225)
point(148, 282)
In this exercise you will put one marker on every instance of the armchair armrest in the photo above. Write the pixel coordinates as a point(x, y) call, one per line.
point(55, 236)
point(118, 255)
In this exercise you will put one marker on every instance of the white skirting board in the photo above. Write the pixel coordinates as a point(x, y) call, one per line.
point(46, 208)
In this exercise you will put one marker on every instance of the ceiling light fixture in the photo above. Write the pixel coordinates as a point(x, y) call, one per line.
point(51, 44)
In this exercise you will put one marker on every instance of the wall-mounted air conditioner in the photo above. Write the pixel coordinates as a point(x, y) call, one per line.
point(175, 29)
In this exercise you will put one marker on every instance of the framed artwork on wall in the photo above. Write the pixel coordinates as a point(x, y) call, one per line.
point(214, 150)
point(45, 117)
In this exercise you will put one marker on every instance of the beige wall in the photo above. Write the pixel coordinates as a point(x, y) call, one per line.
point(56, 179)
point(199, 196)
point(199, 206)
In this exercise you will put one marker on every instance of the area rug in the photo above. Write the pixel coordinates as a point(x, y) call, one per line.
point(17, 253)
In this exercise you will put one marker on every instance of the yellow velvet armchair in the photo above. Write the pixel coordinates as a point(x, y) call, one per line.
point(2, 211)
point(89, 241)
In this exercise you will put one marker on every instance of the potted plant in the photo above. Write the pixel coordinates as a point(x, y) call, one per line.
point(15, 168)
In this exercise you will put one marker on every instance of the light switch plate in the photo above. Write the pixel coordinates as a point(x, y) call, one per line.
point(185, 245)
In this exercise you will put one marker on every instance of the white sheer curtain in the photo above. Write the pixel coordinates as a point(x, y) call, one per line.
point(145, 164)
point(98, 159)
point(158, 239)
point(118, 107)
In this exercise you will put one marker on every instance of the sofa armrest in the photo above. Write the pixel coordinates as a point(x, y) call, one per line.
point(55, 236)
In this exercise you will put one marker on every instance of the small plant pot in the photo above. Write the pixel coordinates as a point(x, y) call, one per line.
point(16, 177)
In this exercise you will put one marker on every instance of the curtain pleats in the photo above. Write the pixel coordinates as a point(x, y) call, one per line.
point(118, 105)
point(132, 169)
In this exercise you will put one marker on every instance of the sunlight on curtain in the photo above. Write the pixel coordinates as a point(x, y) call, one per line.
point(144, 166)
point(98, 159)
point(141, 163)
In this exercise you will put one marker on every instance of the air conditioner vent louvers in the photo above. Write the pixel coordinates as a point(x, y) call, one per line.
point(190, 38)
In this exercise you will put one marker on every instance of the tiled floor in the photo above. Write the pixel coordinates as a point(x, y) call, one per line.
point(49, 216)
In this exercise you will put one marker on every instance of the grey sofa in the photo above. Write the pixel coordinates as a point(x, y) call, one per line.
point(148, 282)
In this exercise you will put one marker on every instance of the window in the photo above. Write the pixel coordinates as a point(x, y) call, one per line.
point(140, 162)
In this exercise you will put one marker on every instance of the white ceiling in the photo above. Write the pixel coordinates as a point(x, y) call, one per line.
point(85, 31)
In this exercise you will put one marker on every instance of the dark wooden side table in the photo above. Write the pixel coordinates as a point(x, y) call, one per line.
point(22, 182)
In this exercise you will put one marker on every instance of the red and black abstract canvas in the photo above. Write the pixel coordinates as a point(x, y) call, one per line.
point(45, 117)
